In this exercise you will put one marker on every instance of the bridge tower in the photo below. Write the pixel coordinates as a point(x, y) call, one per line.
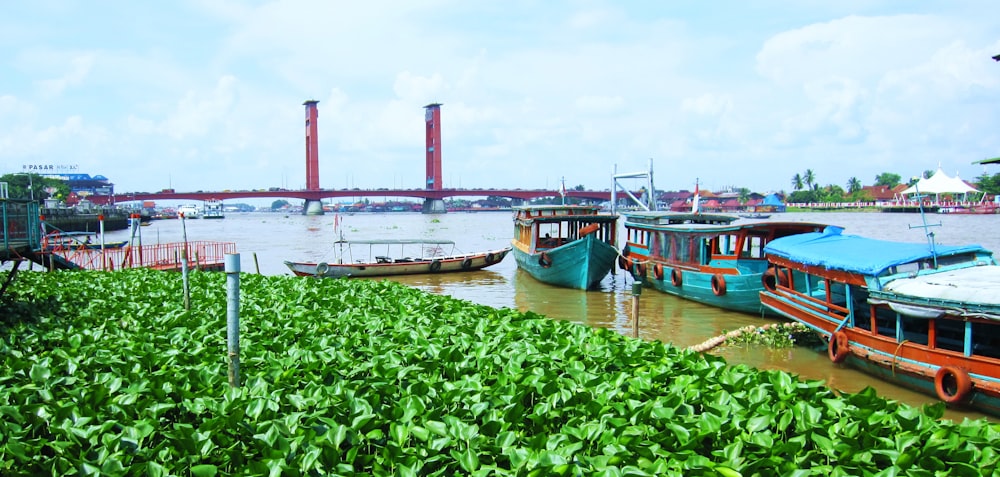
point(312, 207)
point(432, 119)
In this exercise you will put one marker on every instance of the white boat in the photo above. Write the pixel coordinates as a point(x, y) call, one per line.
point(387, 257)
point(188, 211)
point(213, 210)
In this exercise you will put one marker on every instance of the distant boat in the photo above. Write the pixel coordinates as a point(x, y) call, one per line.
point(213, 210)
point(708, 258)
point(755, 215)
point(571, 246)
point(57, 241)
point(388, 257)
point(923, 316)
point(188, 211)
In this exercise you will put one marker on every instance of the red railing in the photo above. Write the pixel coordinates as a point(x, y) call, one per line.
point(200, 255)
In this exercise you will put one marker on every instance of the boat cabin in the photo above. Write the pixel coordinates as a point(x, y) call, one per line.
point(545, 227)
point(699, 240)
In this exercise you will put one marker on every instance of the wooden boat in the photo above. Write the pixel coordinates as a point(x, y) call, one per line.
point(570, 246)
point(708, 258)
point(923, 316)
point(388, 257)
point(755, 215)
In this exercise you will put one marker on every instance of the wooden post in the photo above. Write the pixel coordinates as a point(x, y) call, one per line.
point(636, 292)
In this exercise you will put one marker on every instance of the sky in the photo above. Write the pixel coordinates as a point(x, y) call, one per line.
point(207, 94)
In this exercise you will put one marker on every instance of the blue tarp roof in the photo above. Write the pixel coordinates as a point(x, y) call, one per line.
point(852, 253)
point(772, 200)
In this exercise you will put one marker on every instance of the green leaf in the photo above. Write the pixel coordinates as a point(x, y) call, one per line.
point(204, 470)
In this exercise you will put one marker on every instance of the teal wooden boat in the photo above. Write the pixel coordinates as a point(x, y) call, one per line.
point(708, 258)
point(570, 246)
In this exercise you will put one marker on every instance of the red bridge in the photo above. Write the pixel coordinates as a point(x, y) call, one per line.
point(433, 194)
point(317, 195)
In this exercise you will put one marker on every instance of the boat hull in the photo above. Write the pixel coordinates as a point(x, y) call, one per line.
point(923, 317)
point(448, 264)
point(906, 364)
point(580, 264)
point(740, 292)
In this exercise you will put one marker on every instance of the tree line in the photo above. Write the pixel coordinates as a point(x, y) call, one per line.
point(807, 189)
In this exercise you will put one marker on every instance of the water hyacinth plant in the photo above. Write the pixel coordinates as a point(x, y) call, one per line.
point(106, 373)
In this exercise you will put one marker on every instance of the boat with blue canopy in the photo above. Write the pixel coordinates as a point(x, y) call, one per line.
point(925, 316)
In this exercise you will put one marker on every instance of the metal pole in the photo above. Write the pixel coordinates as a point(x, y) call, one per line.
point(636, 291)
point(104, 258)
point(233, 317)
point(255, 264)
point(184, 265)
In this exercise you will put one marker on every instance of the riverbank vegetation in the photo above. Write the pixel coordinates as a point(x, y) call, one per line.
point(108, 373)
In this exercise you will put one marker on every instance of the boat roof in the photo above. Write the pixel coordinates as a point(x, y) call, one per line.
point(672, 218)
point(555, 207)
point(397, 242)
point(833, 250)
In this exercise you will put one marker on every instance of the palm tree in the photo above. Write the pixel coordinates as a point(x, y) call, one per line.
point(853, 185)
point(797, 181)
point(809, 177)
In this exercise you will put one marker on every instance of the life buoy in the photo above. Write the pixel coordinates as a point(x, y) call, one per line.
point(952, 384)
point(639, 270)
point(466, 264)
point(622, 262)
point(839, 347)
point(718, 284)
point(658, 271)
point(491, 258)
point(589, 229)
point(675, 277)
point(435, 265)
point(321, 268)
point(544, 260)
point(769, 280)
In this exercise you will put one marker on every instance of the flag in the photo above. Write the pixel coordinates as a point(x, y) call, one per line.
point(694, 202)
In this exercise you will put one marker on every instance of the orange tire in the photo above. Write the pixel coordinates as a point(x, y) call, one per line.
point(839, 347)
point(544, 260)
point(718, 284)
point(952, 384)
point(675, 277)
point(658, 271)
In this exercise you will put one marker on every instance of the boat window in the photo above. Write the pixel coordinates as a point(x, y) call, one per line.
point(915, 329)
point(950, 335)
point(665, 244)
point(838, 293)
point(886, 323)
point(860, 309)
point(683, 249)
point(753, 247)
point(956, 259)
point(725, 244)
point(986, 339)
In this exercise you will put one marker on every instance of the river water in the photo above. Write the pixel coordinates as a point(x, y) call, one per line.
point(265, 240)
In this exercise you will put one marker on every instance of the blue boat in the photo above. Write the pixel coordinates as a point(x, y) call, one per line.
point(923, 316)
point(707, 258)
point(571, 246)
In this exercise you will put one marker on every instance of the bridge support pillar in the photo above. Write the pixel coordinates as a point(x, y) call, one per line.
point(312, 207)
point(434, 206)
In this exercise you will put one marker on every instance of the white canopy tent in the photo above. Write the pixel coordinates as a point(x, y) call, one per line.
point(939, 183)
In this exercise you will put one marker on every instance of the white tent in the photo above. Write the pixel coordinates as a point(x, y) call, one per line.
point(939, 183)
